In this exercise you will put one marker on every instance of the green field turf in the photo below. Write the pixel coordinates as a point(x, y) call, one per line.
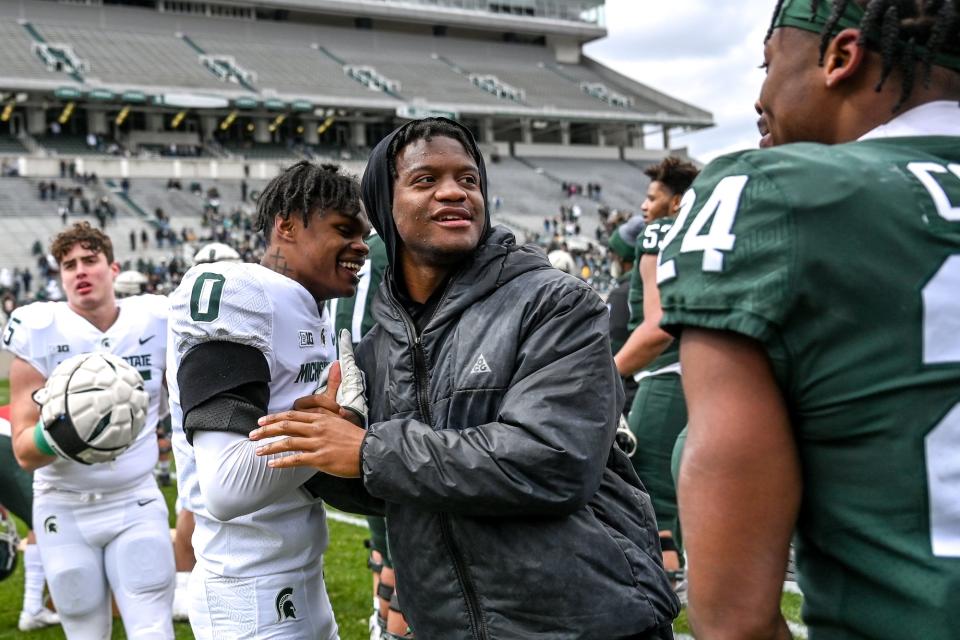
point(348, 583)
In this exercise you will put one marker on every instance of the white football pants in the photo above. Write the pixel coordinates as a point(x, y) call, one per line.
point(92, 544)
point(288, 606)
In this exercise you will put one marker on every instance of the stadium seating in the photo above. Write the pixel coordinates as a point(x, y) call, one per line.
point(301, 60)
point(9, 144)
point(623, 185)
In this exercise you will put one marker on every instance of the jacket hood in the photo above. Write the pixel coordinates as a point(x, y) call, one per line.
point(497, 260)
point(377, 189)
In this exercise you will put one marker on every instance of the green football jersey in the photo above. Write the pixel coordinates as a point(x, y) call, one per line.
point(649, 242)
point(844, 262)
point(354, 313)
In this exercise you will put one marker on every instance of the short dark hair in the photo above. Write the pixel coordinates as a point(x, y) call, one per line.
point(673, 173)
point(306, 187)
point(86, 236)
point(897, 28)
point(427, 129)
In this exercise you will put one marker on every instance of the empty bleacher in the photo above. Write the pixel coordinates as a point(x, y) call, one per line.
point(17, 61)
point(9, 144)
point(124, 47)
point(126, 58)
point(623, 184)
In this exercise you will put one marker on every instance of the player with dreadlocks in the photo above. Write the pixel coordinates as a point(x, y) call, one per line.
point(816, 287)
point(245, 340)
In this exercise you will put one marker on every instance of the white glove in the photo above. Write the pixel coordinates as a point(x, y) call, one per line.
point(352, 392)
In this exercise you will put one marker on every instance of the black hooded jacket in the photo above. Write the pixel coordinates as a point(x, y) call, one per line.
point(511, 514)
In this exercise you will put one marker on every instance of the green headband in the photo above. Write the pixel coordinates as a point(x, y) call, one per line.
point(799, 15)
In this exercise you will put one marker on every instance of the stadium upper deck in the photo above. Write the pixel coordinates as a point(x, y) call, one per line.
point(325, 73)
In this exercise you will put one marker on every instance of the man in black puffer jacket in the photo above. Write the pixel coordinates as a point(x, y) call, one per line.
point(493, 405)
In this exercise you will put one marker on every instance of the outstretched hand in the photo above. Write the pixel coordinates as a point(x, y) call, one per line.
point(319, 439)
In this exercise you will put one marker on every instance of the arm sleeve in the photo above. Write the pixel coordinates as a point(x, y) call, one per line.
point(547, 451)
point(750, 290)
point(235, 481)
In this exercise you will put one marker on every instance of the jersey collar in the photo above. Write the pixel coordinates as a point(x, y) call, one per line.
point(939, 118)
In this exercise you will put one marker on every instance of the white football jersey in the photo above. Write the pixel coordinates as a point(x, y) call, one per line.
point(47, 333)
point(251, 305)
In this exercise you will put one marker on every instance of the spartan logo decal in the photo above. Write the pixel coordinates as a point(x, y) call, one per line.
point(284, 605)
point(50, 524)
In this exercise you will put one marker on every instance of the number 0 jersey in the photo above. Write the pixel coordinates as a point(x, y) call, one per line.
point(254, 306)
point(45, 334)
point(844, 262)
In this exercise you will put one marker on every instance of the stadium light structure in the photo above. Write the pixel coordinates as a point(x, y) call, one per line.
point(122, 116)
point(177, 119)
point(67, 112)
point(228, 120)
point(326, 124)
point(277, 122)
point(7, 112)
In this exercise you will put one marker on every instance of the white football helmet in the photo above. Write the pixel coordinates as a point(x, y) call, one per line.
point(215, 252)
point(93, 407)
point(129, 283)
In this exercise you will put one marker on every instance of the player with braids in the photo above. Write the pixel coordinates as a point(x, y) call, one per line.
point(302, 189)
point(246, 339)
point(815, 282)
point(907, 33)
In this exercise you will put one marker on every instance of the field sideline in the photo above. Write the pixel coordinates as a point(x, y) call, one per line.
point(348, 583)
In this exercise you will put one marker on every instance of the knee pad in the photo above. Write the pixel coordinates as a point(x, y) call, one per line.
point(76, 579)
point(145, 561)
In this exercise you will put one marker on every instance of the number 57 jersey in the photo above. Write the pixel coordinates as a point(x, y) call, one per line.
point(844, 262)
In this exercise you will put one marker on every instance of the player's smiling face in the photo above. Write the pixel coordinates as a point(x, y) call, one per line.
point(437, 201)
point(329, 253)
point(87, 278)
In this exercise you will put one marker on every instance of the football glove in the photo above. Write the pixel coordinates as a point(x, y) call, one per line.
point(352, 392)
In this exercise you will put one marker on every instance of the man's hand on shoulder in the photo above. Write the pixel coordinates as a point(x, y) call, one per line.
point(319, 440)
point(319, 432)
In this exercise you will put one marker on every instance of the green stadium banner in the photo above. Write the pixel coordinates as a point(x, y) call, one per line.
point(245, 103)
point(101, 94)
point(138, 97)
point(275, 104)
point(66, 93)
point(301, 105)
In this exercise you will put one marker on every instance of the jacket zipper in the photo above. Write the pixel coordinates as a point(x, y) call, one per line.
point(477, 628)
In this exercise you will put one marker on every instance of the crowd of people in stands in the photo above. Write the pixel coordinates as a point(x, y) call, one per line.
point(593, 190)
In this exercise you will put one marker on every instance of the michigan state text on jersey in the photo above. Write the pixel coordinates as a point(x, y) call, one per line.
point(103, 525)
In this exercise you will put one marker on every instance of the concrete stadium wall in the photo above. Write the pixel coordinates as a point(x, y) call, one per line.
point(183, 168)
point(235, 169)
